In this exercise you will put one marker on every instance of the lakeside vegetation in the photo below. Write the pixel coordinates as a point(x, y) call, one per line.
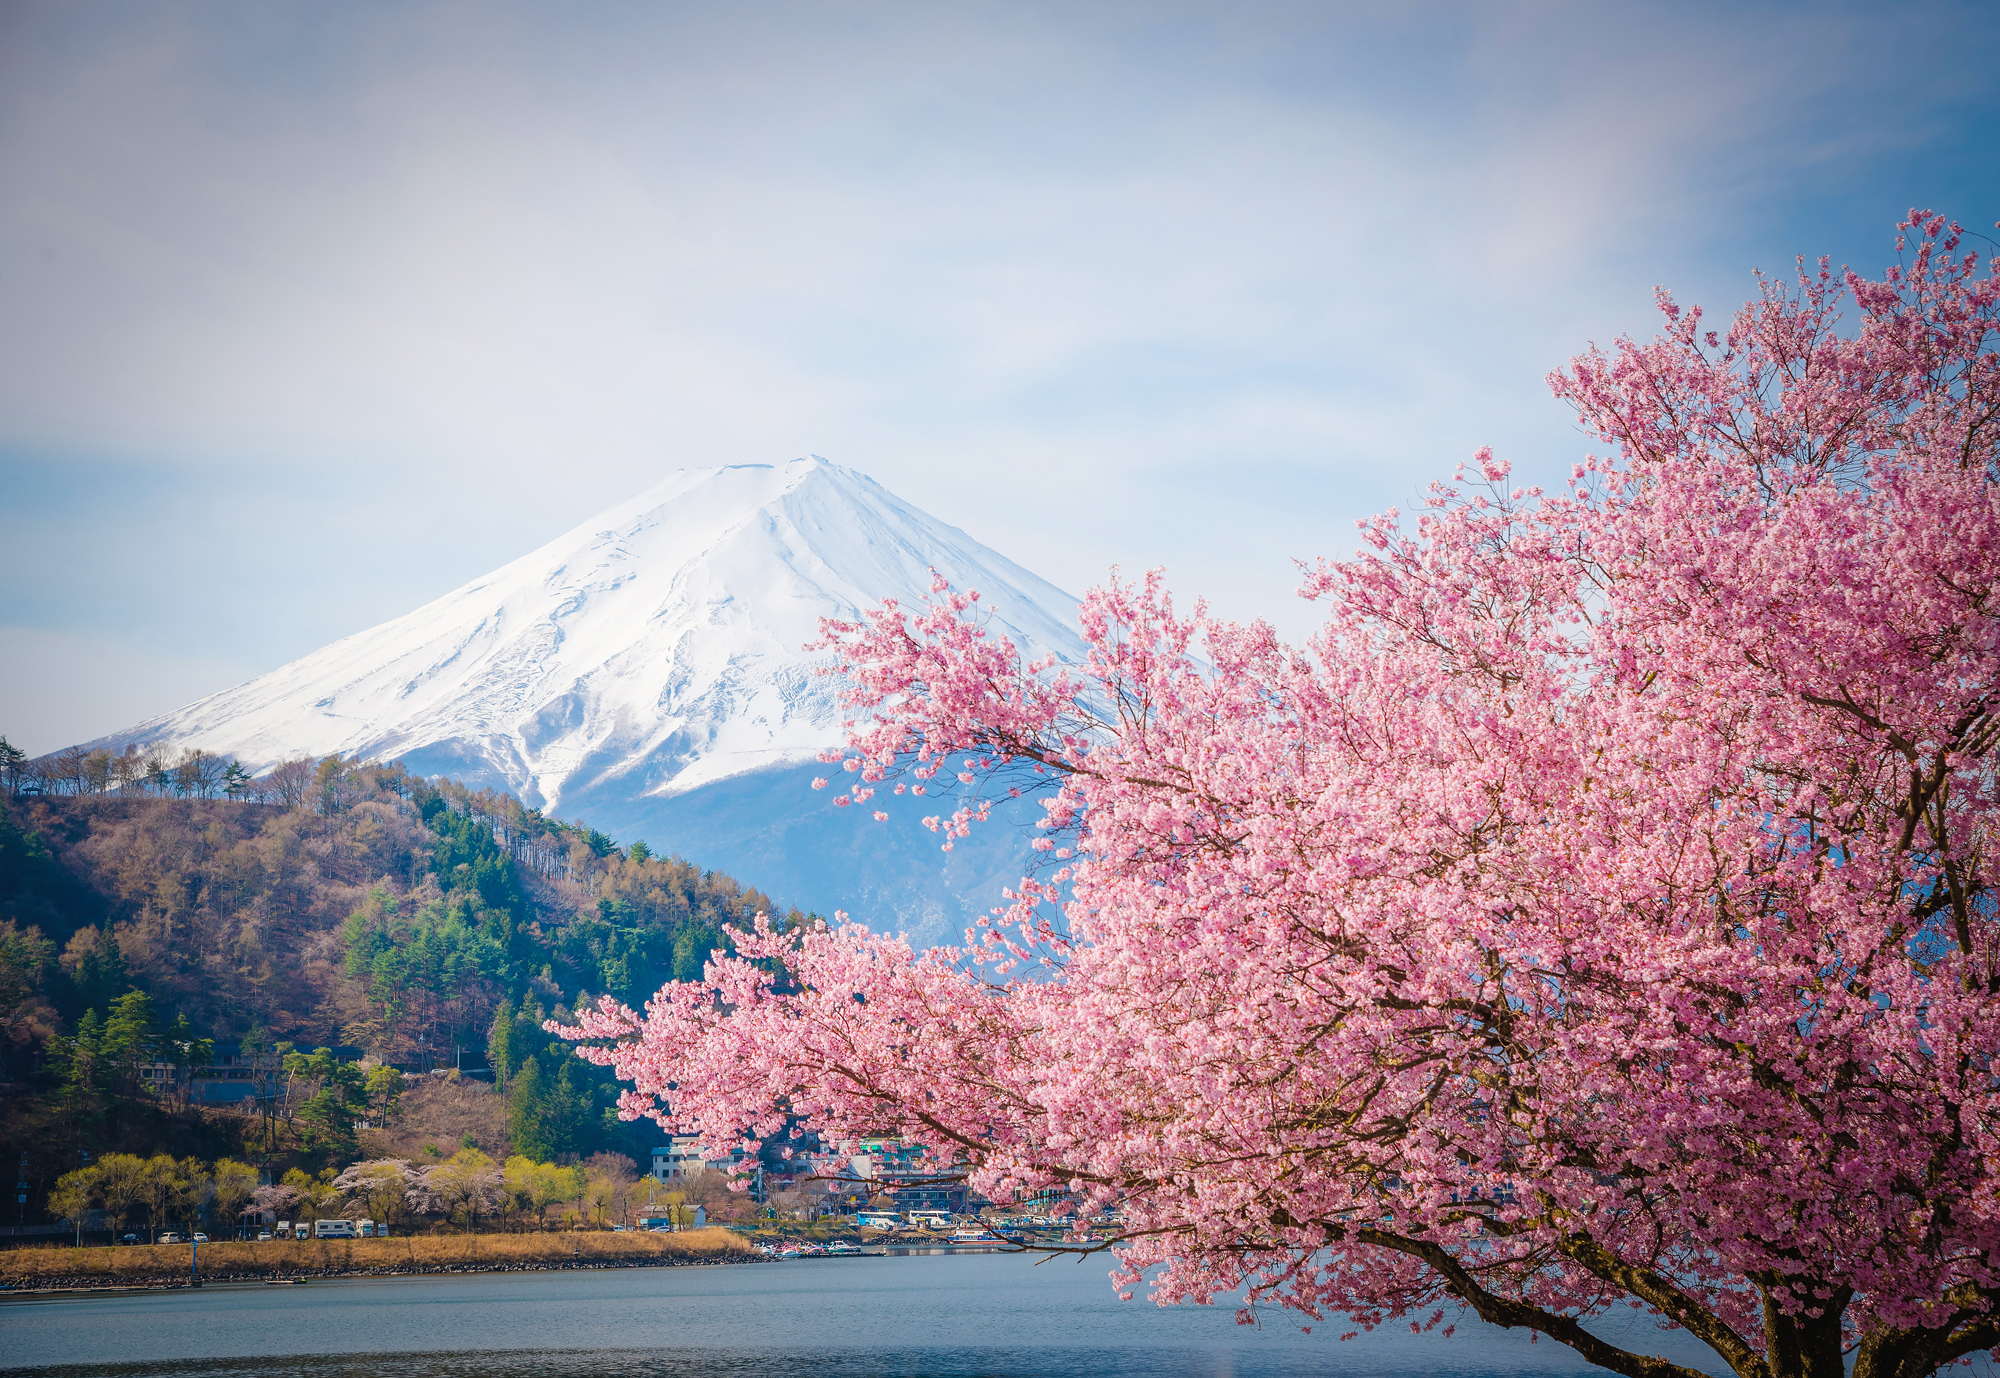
point(383, 947)
point(133, 1199)
point(141, 1265)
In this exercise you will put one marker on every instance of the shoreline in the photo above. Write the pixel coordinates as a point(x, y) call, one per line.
point(51, 1270)
point(91, 1284)
point(82, 1285)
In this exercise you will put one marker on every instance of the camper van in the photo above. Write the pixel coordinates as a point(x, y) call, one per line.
point(333, 1229)
point(368, 1229)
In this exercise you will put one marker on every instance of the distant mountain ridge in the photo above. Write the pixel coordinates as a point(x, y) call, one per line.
point(646, 669)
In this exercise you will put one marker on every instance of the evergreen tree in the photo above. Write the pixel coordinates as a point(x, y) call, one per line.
point(326, 1120)
point(501, 1053)
point(326, 1123)
point(79, 1061)
point(182, 1046)
point(131, 1037)
point(527, 1111)
point(28, 879)
point(692, 946)
point(566, 1116)
point(101, 975)
point(12, 759)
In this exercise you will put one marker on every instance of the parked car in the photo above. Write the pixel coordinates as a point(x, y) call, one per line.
point(128, 1239)
point(263, 1236)
point(200, 1238)
point(170, 1238)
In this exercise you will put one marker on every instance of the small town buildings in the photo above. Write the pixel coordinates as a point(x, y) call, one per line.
point(229, 1078)
point(677, 1159)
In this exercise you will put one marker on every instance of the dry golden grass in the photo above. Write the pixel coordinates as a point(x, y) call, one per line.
point(46, 1266)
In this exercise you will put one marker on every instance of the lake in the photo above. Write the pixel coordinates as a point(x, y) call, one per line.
point(976, 1315)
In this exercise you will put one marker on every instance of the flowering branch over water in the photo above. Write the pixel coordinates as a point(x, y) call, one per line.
point(1597, 912)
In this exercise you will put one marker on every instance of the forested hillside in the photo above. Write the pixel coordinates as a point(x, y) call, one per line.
point(372, 909)
point(334, 904)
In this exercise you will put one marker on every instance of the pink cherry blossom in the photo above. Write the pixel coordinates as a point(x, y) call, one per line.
point(1597, 912)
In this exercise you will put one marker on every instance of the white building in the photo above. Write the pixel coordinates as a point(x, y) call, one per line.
point(678, 1158)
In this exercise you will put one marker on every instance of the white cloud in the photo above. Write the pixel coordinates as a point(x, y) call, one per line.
point(1194, 286)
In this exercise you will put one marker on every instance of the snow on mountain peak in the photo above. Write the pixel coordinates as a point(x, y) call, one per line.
point(654, 649)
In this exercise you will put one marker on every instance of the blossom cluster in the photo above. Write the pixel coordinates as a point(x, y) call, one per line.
point(1597, 911)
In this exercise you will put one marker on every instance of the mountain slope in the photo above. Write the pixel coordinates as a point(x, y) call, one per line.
point(650, 656)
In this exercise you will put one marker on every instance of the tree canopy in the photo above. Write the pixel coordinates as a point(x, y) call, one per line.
point(1597, 912)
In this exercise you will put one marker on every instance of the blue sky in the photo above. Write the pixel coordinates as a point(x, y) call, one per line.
point(310, 313)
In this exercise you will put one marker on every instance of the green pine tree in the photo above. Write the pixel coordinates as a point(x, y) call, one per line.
point(567, 1117)
point(326, 1124)
point(81, 1058)
point(131, 1037)
point(527, 1112)
point(102, 975)
point(500, 1054)
point(183, 1047)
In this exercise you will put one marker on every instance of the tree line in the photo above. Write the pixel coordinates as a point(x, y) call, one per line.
point(469, 1189)
point(155, 773)
point(340, 904)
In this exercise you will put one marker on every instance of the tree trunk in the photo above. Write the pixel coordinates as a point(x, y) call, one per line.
point(1805, 1346)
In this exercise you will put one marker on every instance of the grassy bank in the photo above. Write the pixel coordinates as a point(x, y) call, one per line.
point(167, 1264)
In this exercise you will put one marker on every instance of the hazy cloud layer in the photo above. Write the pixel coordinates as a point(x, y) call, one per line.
point(308, 313)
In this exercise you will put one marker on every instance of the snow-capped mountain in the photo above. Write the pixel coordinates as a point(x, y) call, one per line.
point(649, 656)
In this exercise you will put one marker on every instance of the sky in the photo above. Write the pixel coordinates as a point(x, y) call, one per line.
point(311, 313)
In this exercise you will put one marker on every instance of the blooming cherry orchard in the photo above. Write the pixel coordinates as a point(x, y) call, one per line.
point(1597, 913)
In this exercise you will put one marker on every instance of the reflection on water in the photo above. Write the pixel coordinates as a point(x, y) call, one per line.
point(730, 1363)
point(971, 1316)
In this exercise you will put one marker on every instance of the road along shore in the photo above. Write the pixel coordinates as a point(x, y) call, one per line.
point(47, 1268)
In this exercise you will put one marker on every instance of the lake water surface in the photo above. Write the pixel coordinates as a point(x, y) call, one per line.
point(966, 1316)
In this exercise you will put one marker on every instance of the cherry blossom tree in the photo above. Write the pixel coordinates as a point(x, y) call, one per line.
point(380, 1187)
point(1597, 913)
point(274, 1200)
point(464, 1186)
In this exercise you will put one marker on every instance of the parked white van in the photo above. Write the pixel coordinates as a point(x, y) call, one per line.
point(333, 1229)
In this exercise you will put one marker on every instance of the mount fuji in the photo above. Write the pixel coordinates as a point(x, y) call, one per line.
point(645, 672)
